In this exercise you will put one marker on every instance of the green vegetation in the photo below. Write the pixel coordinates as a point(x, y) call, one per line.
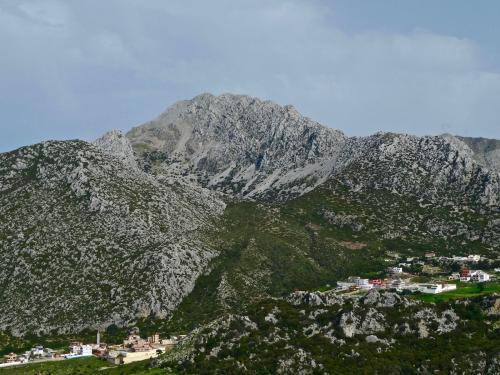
point(83, 366)
point(270, 249)
point(464, 290)
point(262, 349)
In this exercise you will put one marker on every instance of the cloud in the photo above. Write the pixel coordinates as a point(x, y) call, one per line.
point(74, 69)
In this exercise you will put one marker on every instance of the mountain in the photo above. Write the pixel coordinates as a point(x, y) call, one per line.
point(249, 148)
point(219, 201)
point(486, 151)
point(239, 145)
point(88, 240)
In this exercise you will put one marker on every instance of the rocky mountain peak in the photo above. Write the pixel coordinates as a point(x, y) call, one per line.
point(250, 148)
point(115, 143)
point(238, 144)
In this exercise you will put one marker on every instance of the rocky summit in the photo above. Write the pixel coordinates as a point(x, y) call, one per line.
point(249, 148)
point(207, 218)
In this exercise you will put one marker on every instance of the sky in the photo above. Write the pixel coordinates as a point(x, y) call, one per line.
point(75, 69)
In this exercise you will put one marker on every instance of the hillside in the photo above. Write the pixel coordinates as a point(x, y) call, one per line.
point(88, 241)
point(327, 333)
point(270, 249)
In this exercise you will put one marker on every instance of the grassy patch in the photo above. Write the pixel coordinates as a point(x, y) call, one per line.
point(83, 366)
point(464, 290)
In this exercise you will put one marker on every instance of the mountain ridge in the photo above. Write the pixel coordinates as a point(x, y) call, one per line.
point(252, 149)
point(110, 232)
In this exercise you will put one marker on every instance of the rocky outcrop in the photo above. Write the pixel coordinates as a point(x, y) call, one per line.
point(308, 335)
point(114, 143)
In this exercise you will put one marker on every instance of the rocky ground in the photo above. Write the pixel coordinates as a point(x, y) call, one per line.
point(325, 333)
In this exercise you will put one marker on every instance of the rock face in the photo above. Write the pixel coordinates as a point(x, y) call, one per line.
point(114, 143)
point(88, 239)
point(436, 168)
point(239, 145)
point(250, 148)
point(486, 151)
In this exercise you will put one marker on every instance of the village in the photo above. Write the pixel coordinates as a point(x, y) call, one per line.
point(407, 275)
point(134, 348)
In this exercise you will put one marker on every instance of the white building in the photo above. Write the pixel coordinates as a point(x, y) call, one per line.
point(479, 276)
point(119, 357)
point(169, 342)
point(37, 351)
point(454, 276)
point(79, 350)
point(395, 269)
point(436, 288)
point(398, 284)
point(355, 281)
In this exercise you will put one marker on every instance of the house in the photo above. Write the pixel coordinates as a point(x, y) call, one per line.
point(355, 281)
point(430, 255)
point(395, 269)
point(132, 339)
point(479, 276)
point(436, 288)
point(398, 284)
point(465, 275)
point(142, 346)
point(37, 351)
point(10, 358)
point(120, 357)
point(169, 342)
point(376, 282)
point(78, 350)
point(155, 339)
point(359, 282)
point(454, 276)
